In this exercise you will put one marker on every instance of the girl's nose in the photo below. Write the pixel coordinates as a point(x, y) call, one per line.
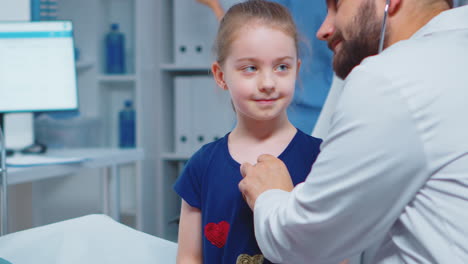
point(267, 84)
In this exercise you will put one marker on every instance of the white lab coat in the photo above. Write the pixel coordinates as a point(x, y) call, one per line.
point(323, 122)
point(393, 171)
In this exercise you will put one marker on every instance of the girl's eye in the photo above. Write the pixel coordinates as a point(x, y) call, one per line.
point(249, 69)
point(282, 67)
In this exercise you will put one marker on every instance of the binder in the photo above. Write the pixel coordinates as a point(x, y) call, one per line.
point(183, 121)
point(203, 113)
point(195, 28)
point(42, 10)
point(212, 114)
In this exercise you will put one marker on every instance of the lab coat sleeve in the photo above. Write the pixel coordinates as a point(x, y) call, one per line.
point(371, 165)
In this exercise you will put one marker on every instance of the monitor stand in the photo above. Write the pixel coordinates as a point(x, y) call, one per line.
point(18, 131)
point(8, 152)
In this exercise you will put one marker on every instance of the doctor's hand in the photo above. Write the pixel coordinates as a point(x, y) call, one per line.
point(269, 173)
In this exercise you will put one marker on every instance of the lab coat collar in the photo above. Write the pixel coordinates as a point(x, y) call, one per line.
point(452, 19)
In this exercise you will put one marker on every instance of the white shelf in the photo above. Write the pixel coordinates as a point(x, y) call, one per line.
point(117, 78)
point(84, 64)
point(95, 158)
point(175, 156)
point(186, 68)
point(128, 211)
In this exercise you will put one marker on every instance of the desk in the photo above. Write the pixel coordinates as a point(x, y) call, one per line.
point(107, 158)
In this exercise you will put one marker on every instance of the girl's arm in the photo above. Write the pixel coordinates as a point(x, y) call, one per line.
point(190, 244)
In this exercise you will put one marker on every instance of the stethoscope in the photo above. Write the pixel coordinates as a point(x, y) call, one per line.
point(384, 26)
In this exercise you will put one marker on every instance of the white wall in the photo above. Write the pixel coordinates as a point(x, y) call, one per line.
point(15, 10)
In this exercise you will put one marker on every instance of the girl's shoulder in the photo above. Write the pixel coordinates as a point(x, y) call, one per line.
point(307, 139)
point(302, 147)
point(209, 151)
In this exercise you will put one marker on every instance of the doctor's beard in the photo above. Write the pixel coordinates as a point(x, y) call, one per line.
point(364, 36)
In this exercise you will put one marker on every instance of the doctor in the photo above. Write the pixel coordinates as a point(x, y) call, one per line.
point(393, 171)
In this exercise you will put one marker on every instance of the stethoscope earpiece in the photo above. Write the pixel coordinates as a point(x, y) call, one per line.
point(384, 26)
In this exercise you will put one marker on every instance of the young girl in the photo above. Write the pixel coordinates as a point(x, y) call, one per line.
point(257, 62)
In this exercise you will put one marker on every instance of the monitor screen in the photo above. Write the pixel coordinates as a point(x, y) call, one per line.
point(37, 67)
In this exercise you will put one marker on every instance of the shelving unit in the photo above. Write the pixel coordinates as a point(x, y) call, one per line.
point(175, 156)
point(191, 69)
point(117, 79)
point(102, 95)
point(84, 64)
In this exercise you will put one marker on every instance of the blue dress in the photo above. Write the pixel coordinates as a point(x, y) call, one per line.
point(210, 181)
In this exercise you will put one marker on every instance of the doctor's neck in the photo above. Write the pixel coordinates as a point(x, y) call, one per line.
point(405, 18)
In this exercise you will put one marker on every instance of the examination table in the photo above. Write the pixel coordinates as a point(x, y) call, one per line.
point(90, 239)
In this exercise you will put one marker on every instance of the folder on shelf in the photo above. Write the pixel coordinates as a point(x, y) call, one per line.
point(195, 28)
point(212, 113)
point(183, 121)
point(203, 112)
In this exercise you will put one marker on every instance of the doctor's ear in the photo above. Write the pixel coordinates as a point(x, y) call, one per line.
point(394, 6)
point(218, 75)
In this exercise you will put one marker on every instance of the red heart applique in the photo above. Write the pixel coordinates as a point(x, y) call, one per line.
point(217, 233)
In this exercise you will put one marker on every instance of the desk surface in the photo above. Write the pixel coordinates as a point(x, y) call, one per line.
point(95, 158)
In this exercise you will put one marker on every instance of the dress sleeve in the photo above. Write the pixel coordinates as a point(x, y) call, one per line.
point(188, 185)
point(371, 165)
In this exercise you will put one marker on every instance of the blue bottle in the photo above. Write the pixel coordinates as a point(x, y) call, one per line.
point(115, 51)
point(127, 126)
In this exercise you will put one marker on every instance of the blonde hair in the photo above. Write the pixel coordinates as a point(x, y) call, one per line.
point(246, 13)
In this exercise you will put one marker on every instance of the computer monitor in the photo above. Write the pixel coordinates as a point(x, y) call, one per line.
point(37, 67)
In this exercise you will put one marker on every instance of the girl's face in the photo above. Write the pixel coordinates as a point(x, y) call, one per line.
point(260, 72)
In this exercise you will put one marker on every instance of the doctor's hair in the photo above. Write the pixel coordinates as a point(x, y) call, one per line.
point(252, 12)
